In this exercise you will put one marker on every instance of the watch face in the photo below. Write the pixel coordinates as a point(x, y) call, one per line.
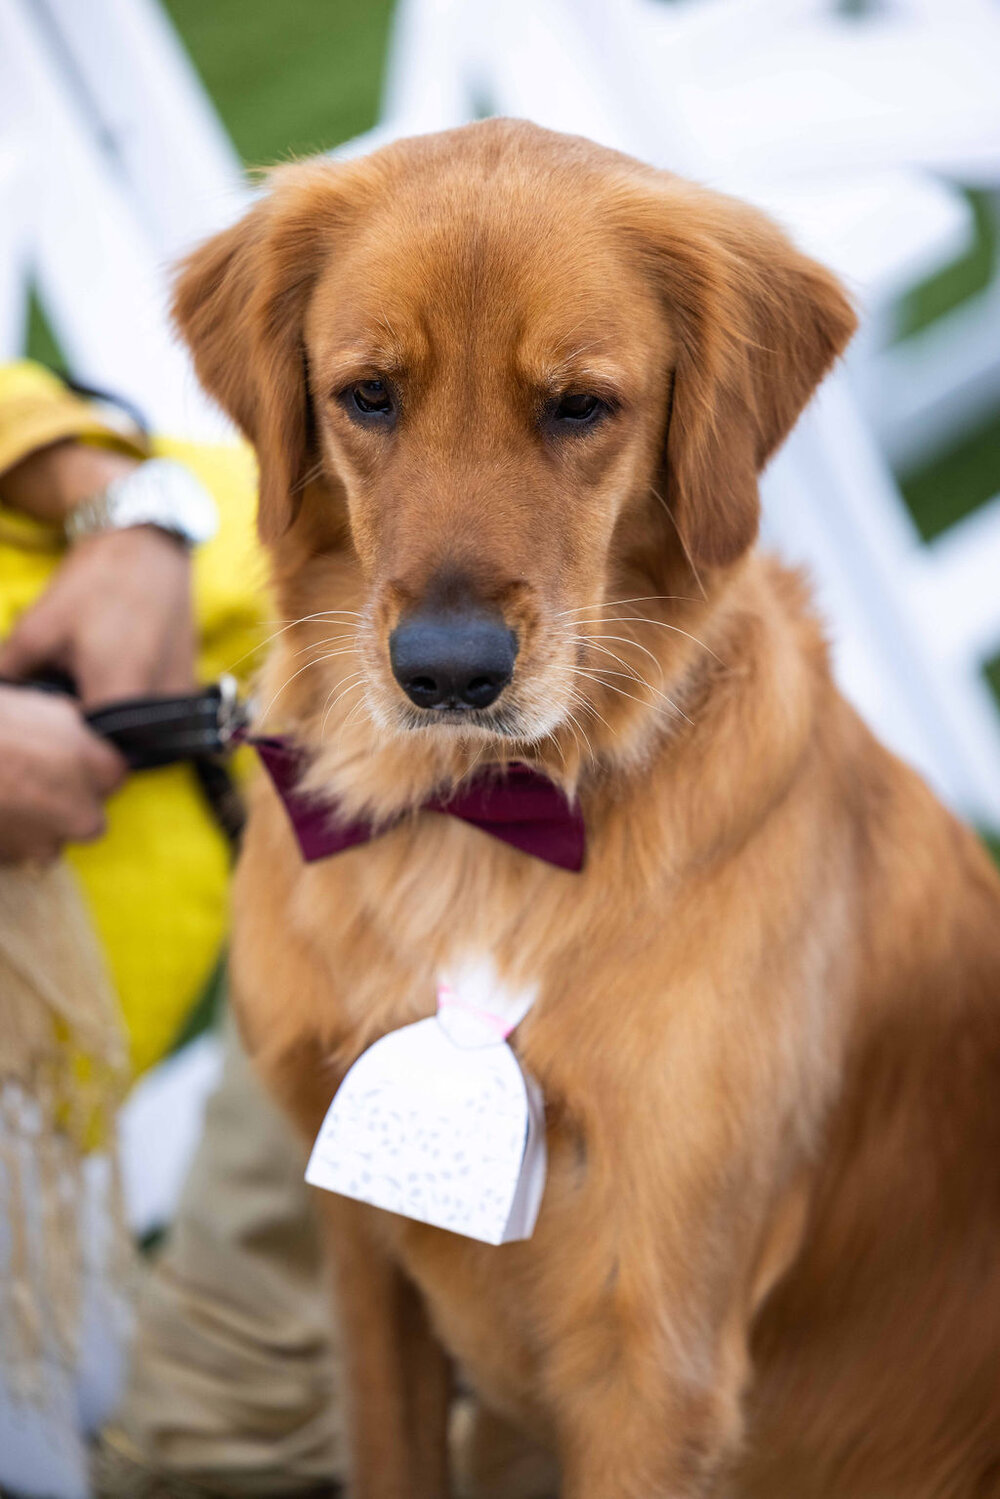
point(163, 493)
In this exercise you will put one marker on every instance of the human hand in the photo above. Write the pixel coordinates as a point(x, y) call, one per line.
point(117, 616)
point(55, 776)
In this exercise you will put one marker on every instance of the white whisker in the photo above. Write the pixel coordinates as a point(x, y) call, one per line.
point(631, 671)
point(640, 598)
point(358, 707)
point(289, 680)
point(684, 546)
point(290, 625)
point(659, 624)
point(579, 697)
point(625, 640)
point(613, 687)
point(575, 724)
point(327, 640)
point(335, 696)
point(562, 753)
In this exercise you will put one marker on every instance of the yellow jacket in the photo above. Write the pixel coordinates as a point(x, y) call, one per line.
point(156, 883)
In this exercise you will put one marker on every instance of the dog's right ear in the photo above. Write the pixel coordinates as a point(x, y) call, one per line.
point(756, 326)
point(240, 302)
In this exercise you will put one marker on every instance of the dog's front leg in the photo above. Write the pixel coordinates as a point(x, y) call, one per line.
point(646, 1437)
point(649, 1360)
point(427, 1374)
point(397, 1376)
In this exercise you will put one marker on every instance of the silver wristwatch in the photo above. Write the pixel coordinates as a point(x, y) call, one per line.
point(158, 493)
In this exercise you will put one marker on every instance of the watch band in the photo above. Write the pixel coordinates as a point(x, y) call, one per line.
point(159, 492)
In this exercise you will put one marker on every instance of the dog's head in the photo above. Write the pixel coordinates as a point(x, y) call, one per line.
point(504, 371)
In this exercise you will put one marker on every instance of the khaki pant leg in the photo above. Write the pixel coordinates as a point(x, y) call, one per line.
point(235, 1371)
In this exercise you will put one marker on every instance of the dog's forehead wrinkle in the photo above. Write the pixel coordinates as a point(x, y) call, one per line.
point(482, 241)
point(499, 354)
point(534, 293)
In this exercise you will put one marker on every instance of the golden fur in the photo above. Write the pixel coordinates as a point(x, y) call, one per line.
point(768, 1260)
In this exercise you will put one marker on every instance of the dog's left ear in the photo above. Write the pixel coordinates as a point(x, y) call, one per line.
point(240, 301)
point(757, 325)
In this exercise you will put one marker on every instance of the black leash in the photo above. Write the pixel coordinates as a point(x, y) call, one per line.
point(155, 731)
point(199, 727)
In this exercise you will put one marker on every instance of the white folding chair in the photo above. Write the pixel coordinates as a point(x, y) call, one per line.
point(104, 177)
point(13, 247)
point(98, 269)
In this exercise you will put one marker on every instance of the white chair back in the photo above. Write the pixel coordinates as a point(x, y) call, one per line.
point(92, 238)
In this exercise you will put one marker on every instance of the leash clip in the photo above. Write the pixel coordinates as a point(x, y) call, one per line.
point(231, 715)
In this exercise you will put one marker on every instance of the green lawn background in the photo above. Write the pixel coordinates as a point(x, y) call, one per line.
point(288, 76)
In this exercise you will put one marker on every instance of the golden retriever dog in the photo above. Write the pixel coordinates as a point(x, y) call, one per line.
point(511, 394)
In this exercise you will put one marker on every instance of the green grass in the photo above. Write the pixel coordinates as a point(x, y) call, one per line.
point(288, 76)
point(42, 342)
point(950, 286)
point(954, 483)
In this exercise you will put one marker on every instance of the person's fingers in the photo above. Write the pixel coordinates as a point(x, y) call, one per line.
point(123, 655)
point(106, 769)
point(85, 820)
point(30, 645)
point(55, 775)
point(102, 679)
point(178, 673)
point(30, 849)
point(94, 767)
point(117, 616)
point(46, 852)
point(90, 768)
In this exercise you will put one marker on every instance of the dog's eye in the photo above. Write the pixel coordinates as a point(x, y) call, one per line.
point(578, 409)
point(370, 398)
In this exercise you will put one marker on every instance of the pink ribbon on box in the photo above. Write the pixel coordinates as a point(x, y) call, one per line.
point(448, 999)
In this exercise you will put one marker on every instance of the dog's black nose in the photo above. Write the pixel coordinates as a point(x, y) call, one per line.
point(452, 660)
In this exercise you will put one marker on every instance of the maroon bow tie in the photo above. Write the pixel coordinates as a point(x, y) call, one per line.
point(521, 807)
